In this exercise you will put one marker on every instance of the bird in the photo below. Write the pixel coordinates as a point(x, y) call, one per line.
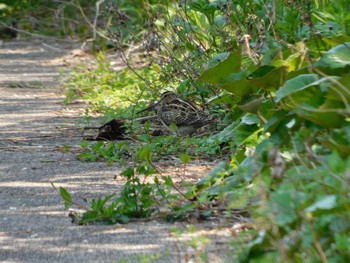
point(172, 110)
point(112, 130)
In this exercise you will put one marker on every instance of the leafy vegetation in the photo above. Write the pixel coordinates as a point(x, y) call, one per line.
point(47, 18)
point(277, 74)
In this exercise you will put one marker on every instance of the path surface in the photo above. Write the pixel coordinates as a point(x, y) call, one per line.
point(34, 226)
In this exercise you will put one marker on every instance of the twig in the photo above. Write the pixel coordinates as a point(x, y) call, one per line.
point(51, 47)
point(98, 3)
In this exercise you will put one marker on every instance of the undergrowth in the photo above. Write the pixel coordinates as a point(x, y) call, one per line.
point(276, 74)
point(47, 18)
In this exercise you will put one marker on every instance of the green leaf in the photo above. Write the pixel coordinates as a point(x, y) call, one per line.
point(65, 195)
point(89, 216)
point(261, 71)
point(173, 127)
point(271, 55)
point(221, 66)
point(238, 84)
point(223, 97)
point(241, 85)
point(97, 146)
point(250, 104)
point(185, 158)
point(223, 136)
point(340, 89)
point(123, 219)
point(84, 144)
point(213, 176)
point(336, 40)
point(326, 117)
point(337, 57)
point(245, 133)
point(326, 203)
point(168, 181)
point(275, 120)
point(272, 80)
point(103, 201)
point(250, 119)
point(339, 140)
point(295, 61)
point(336, 163)
point(145, 153)
point(129, 172)
point(282, 204)
point(296, 84)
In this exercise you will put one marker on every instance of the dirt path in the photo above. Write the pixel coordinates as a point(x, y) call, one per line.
point(34, 226)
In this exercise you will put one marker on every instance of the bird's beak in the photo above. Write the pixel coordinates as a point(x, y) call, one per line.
point(149, 107)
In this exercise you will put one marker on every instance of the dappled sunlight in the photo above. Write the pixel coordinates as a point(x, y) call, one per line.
point(31, 77)
point(26, 184)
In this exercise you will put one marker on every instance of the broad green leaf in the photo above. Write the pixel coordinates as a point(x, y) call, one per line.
point(336, 164)
point(129, 172)
point(267, 109)
point(221, 66)
point(283, 205)
point(261, 71)
point(340, 88)
point(213, 176)
point(271, 56)
point(241, 87)
point(325, 115)
point(250, 104)
point(65, 195)
point(337, 57)
point(223, 97)
point(297, 59)
point(204, 6)
point(89, 216)
point(214, 190)
point(245, 133)
point(275, 120)
point(339, 140)
point(223, 136)
point(296, 84)
point(326, 203)
point(272, 80)
point(145, 153)
point(250, 119)
point(295, 73)
point(336, 40)
point(220, 21)
point(293, 62)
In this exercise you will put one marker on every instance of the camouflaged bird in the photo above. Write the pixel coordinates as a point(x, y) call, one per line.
point(172, 110)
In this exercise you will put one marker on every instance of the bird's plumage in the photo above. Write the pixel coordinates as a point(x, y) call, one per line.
point(172, 110)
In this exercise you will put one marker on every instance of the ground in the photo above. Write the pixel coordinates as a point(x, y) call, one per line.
point(35, 125)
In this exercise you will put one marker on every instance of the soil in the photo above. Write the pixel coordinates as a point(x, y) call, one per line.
point(35, 128)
